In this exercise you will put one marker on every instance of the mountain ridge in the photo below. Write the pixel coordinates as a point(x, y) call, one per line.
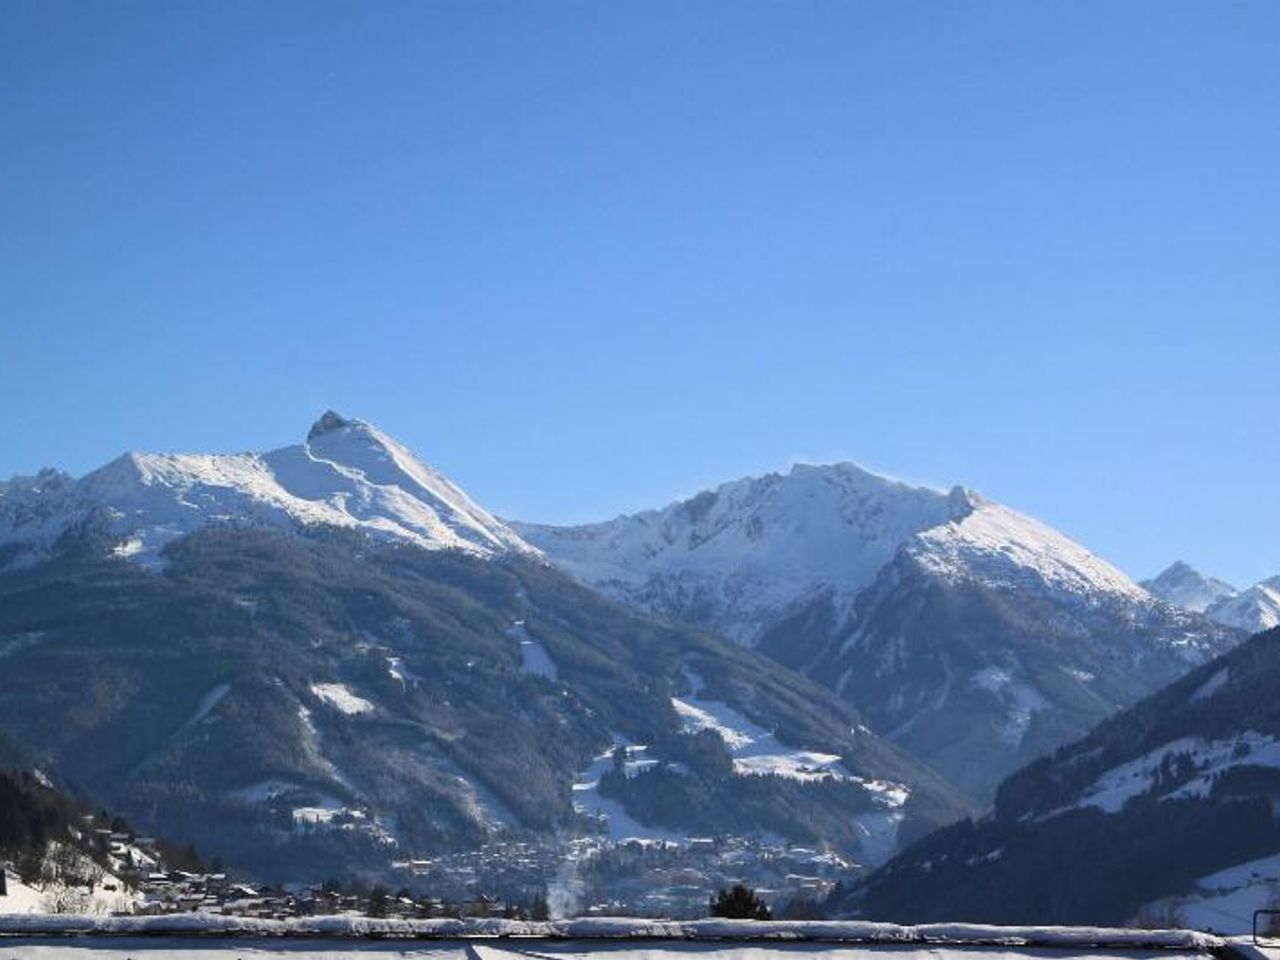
point(936, 612)
point(329, 653)
point(348, 473)
point(1164, 812)
point(1252, 609)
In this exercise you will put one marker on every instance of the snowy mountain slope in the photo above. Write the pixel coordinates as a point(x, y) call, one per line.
point(992, 544)
point(305, 705)
point(1252, 610)
point(1184, 586)
point(347, 474)
point(972, 634)
point(730, 559)
point(1168, 806)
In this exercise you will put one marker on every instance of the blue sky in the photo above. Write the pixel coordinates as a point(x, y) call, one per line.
point(586, 257)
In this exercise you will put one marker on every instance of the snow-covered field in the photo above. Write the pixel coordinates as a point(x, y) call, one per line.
point(756, 751)
point(1225, 901)
point(24, 899)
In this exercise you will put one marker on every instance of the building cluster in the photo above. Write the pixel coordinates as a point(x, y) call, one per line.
point(581, 877)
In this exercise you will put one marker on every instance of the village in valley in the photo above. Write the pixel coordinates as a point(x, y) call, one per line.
point(115, 871)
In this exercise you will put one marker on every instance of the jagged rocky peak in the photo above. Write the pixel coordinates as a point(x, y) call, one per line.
point(329, 420)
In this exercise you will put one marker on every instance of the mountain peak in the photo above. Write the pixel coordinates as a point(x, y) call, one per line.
point(348, 474)
point(329, 421)
point(1184, 586)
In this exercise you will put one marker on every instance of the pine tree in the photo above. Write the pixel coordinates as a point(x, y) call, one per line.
point(739, 903)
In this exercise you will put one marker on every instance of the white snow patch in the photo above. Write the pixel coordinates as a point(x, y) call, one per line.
point(1111, 791)
point(533, 655)
point(620, 825)
point(340, 697)
point(1001, 547)
point(1224, 902)
point(756, 751)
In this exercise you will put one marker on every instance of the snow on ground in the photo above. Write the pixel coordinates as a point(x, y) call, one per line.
point(1111, 791)
point(340, 697)
point(620, 825)
point(1224, 901)
point(314, 808)
point(751, 547)
point(533, 655)
point(756, 751)
point(41, 899)
point(1000, 546)
point(1021, 701)
point(1253, 610)
point(325, 811)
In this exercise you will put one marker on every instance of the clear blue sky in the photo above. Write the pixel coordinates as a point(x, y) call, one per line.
point(588, 256)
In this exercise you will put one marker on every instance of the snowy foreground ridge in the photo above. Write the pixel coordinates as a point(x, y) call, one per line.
point(840, 931)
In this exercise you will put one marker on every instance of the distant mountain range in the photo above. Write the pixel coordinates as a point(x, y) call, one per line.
point(1252, 610)
point(971, 634)
point(329, 654)
point(319, 660)
point(1164, 815)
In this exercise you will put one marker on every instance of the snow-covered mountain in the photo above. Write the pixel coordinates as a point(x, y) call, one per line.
point(347, 473)
point(976, 636)
point(737, 558)
point(1184, 586)
point(325, 657)
point(1251, 610)
point(733, 558)
point(1164, 815)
